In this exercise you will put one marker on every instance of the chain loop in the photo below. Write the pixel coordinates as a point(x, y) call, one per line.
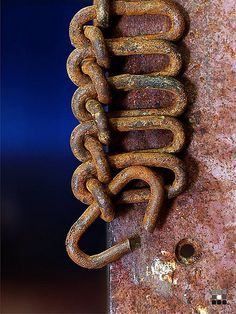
point(101, 198)
point(92, 181)
point(93, 211)
point(102, 8)
point(125, 124)
point(96, 110)
point(93, 70)
point(127, 82)
point(121, 161)
point(99, 158)
point(98, 43)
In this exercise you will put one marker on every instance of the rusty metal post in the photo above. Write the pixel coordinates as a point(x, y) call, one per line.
point(191, 251)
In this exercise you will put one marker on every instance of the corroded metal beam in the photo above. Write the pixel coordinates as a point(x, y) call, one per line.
point(191, 250)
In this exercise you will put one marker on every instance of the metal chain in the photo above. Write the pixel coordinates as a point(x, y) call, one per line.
point(92, 182)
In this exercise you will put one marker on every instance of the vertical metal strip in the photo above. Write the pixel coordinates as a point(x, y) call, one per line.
point(152, 279)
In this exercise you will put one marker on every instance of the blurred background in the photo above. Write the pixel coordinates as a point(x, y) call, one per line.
point(38, 206)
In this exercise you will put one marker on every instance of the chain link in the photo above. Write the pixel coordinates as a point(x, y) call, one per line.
point(92, 182)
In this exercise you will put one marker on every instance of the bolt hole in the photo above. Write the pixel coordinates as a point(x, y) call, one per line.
point(187, 251)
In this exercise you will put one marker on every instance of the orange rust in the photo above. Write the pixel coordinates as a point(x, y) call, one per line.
point(121, 161)
point(156, 191)
point(127, 46)
point(98, 43)
point(93, 212)
point(103, 13)
point(193, 257)
point(90, 43)
point(94, 261)
point(85, 66)
point(123, 47)
point(95, 149)
point(162, 7)
point(93, 70)
point(125, 124)
point(127, 82)
point(102, 198)
point(95, 108)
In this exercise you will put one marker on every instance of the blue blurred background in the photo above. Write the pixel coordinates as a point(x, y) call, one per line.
point(37, 164)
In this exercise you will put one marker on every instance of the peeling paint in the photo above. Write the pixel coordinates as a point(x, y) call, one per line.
point(202, 310)
point(162, 270)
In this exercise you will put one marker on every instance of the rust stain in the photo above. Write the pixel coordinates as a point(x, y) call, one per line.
point(205, 212)
point(86, 66)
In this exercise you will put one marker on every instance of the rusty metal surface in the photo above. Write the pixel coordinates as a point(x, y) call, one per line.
point(92, 182)
point(155, 278)
point(155, 202)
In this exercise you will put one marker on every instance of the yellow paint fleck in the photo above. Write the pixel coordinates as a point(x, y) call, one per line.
point(164, 271)
point(202, 310)
point(165, 253)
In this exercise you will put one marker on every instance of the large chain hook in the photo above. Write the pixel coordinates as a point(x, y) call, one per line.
point(93, 212)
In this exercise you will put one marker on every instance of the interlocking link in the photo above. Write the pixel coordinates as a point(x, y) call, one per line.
point(94, 147)
point(162, 7)
point(96, 110)
point(120, 161)
point(98, 43)
point(93, 211)
point(124, 47)
point(125, 124)
point(101, 198)
point(87, 66)
point(127, 82)
point(95, 73)
point(103, 13)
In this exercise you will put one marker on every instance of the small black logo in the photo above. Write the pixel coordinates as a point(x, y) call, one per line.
point(219, 296)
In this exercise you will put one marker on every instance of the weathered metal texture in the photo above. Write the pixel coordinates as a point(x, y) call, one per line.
point(90, 191)
point(92, 182)
point(155, 202)
point(151, 279)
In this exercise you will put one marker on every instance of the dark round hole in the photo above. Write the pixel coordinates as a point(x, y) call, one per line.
point(186, 250)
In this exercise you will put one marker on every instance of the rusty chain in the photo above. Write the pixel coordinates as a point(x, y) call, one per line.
point(92, 181)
